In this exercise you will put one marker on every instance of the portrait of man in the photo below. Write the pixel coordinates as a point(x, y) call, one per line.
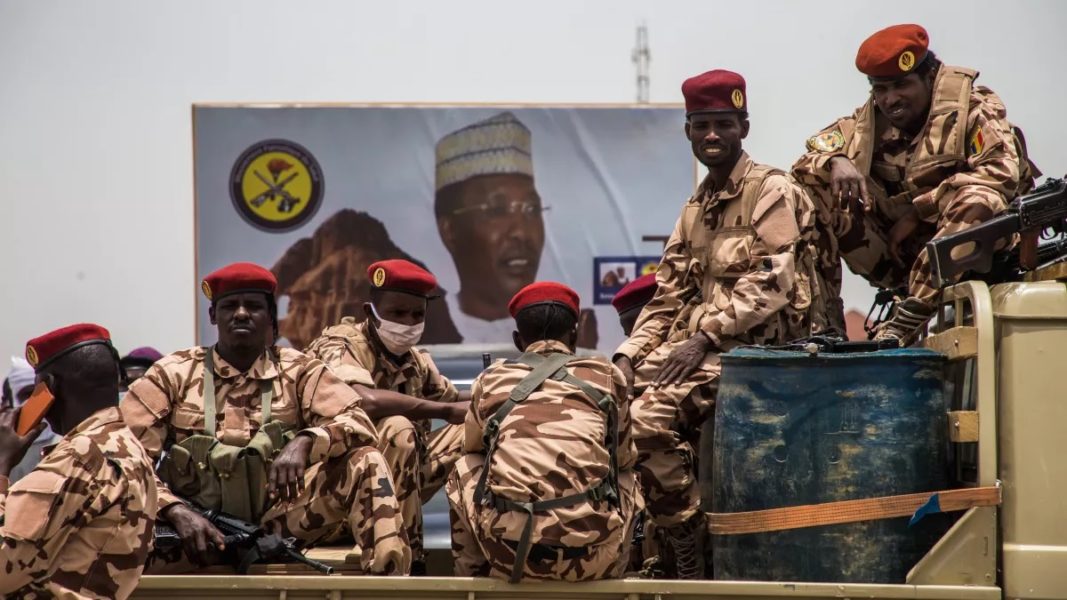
point(489, 215)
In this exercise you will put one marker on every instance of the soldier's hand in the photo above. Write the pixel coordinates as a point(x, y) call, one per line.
point(199, 537)
point(287, 470)
point(12, 445)
point(627, 369)
point(902, 230)
point(847, 183)
point(457, 412)
point(682, 361)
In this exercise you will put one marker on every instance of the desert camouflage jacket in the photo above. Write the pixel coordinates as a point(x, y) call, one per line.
point(80, 525)
point(551, 445)
point(358, 359)
point(167, 404)
point(739, 274)
point(967, 140)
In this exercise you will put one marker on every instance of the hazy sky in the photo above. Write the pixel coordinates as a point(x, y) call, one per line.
point(95, 101)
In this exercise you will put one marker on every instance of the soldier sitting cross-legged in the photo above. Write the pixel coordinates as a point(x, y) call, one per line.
point(264, 433)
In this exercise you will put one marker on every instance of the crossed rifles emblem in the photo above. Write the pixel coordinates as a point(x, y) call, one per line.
point(275, 187)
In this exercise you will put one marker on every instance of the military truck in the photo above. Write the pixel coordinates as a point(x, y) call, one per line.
point(1006, 344)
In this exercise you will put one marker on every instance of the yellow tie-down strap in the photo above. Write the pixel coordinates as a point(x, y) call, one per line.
point(852, 511)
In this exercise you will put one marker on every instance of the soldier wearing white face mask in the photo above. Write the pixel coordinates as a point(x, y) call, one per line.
point(400, 385)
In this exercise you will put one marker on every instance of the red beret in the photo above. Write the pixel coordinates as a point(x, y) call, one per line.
point(893, 52)
point(237, 278)
point(636, 293)
point(715, 91)
point(401, 275)
point(40, 351)
point(544, 292)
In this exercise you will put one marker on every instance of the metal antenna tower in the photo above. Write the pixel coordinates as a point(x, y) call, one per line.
point(641, 58)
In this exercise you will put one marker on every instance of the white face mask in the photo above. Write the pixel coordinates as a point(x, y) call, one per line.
point(397, 337)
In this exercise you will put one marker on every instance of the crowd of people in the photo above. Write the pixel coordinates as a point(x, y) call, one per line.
point(549, 459)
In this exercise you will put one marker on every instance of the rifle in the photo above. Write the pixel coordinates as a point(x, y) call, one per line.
point(974, 249)
point(246, 543)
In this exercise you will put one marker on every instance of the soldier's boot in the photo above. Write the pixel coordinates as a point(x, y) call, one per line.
point(907, 321)
point(685, 541)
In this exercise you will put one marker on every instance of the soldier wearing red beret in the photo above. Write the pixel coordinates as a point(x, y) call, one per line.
point(531, 497)
point(633, 297)
point(89, 506)
point(401, 387)
point(736, 271)
point(296, 432)
point(928, 155)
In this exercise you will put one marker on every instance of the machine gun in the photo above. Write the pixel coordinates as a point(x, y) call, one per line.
point(246, 543)
point(973, 250)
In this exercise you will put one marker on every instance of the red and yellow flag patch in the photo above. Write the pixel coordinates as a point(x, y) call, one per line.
point(977, 143)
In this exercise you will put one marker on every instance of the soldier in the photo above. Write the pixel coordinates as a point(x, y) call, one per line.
point(633, 297)
point(400, 386)
point(80, 524)
point(928, 155)
point(275, 420)
point(545, 488)
point(736, 271)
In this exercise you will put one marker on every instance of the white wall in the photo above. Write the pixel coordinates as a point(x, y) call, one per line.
point(95, 148)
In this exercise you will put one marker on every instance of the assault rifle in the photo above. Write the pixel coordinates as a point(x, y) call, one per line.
point(246, 543)
point(973, 250)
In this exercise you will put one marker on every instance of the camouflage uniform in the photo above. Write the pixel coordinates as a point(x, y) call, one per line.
point(348, 479)
point(561, 453)
point(80, 524)
point(738, 279)
point(956, 172)
point(419, 459)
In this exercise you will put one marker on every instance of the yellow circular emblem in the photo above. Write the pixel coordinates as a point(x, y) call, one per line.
point(830, 141)
point(738, 98)
point(31, 356)
point(206, 289)
point(906, 62)
point(276, 185)
point(379, 277)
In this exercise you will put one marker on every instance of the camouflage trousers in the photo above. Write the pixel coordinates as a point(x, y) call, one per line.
point(354, 488)
point(478, 553)
point(419, 465)
point(862, 237)
point(666, 421)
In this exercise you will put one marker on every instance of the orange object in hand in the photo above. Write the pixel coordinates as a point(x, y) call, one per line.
point(35, 408)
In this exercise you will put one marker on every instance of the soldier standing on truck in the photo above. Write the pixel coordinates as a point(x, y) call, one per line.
point(401, 387)
point(737, 270)
point(928, 155)
point(545, 488)
point(266, 434)
point(80, 524)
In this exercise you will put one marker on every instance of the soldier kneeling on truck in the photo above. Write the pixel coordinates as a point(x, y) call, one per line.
point(265, 434)
point(546, 487)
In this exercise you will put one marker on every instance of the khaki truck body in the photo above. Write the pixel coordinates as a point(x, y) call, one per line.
point(1008, 351)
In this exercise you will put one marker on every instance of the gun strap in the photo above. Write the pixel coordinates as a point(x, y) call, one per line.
point(266, 395)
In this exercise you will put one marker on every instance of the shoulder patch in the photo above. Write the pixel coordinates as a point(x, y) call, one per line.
point(831, 141)
point(977, 143)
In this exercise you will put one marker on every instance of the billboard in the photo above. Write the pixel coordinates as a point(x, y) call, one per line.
point(488, 198)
